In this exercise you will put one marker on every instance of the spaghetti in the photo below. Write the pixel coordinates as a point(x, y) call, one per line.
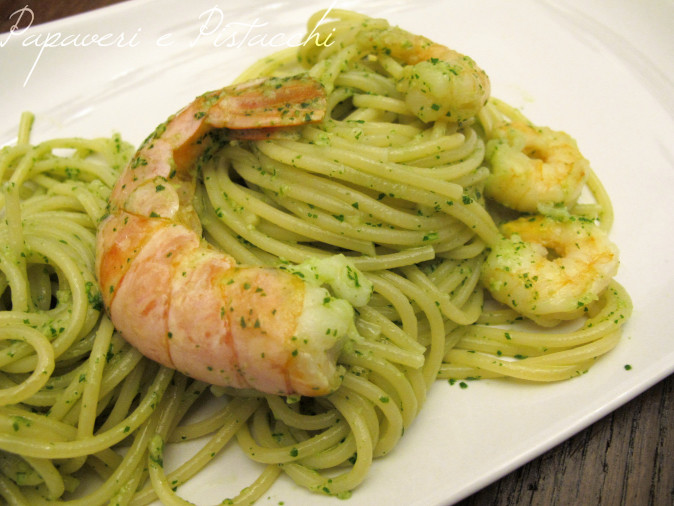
point(401, 198)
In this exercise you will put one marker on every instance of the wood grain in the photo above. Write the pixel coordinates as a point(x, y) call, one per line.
point(626, 458)
point(47, 10)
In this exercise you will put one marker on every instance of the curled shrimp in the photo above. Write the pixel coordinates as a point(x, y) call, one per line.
point(437, 82)
point(531, 166)
point(190, 307)
point(550, 270)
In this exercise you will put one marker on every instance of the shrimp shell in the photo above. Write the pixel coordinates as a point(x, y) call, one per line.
point(190, 307)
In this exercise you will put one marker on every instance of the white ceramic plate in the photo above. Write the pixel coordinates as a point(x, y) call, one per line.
point(601, 71)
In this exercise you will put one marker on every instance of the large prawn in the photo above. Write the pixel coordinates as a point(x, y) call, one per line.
point(190, 307)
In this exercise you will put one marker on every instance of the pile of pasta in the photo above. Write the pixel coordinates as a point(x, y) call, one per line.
point(402, 199)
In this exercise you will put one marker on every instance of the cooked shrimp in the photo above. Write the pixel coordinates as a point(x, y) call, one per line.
point(550, 270)
point(190, 307)
point(531, 166)
point(438, 82)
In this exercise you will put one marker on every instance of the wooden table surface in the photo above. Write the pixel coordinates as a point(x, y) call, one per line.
point(626, 458)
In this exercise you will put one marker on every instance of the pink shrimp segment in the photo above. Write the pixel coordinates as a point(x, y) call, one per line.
point(181, 302)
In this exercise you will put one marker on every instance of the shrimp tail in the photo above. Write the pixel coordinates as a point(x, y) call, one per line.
point(267, 103)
